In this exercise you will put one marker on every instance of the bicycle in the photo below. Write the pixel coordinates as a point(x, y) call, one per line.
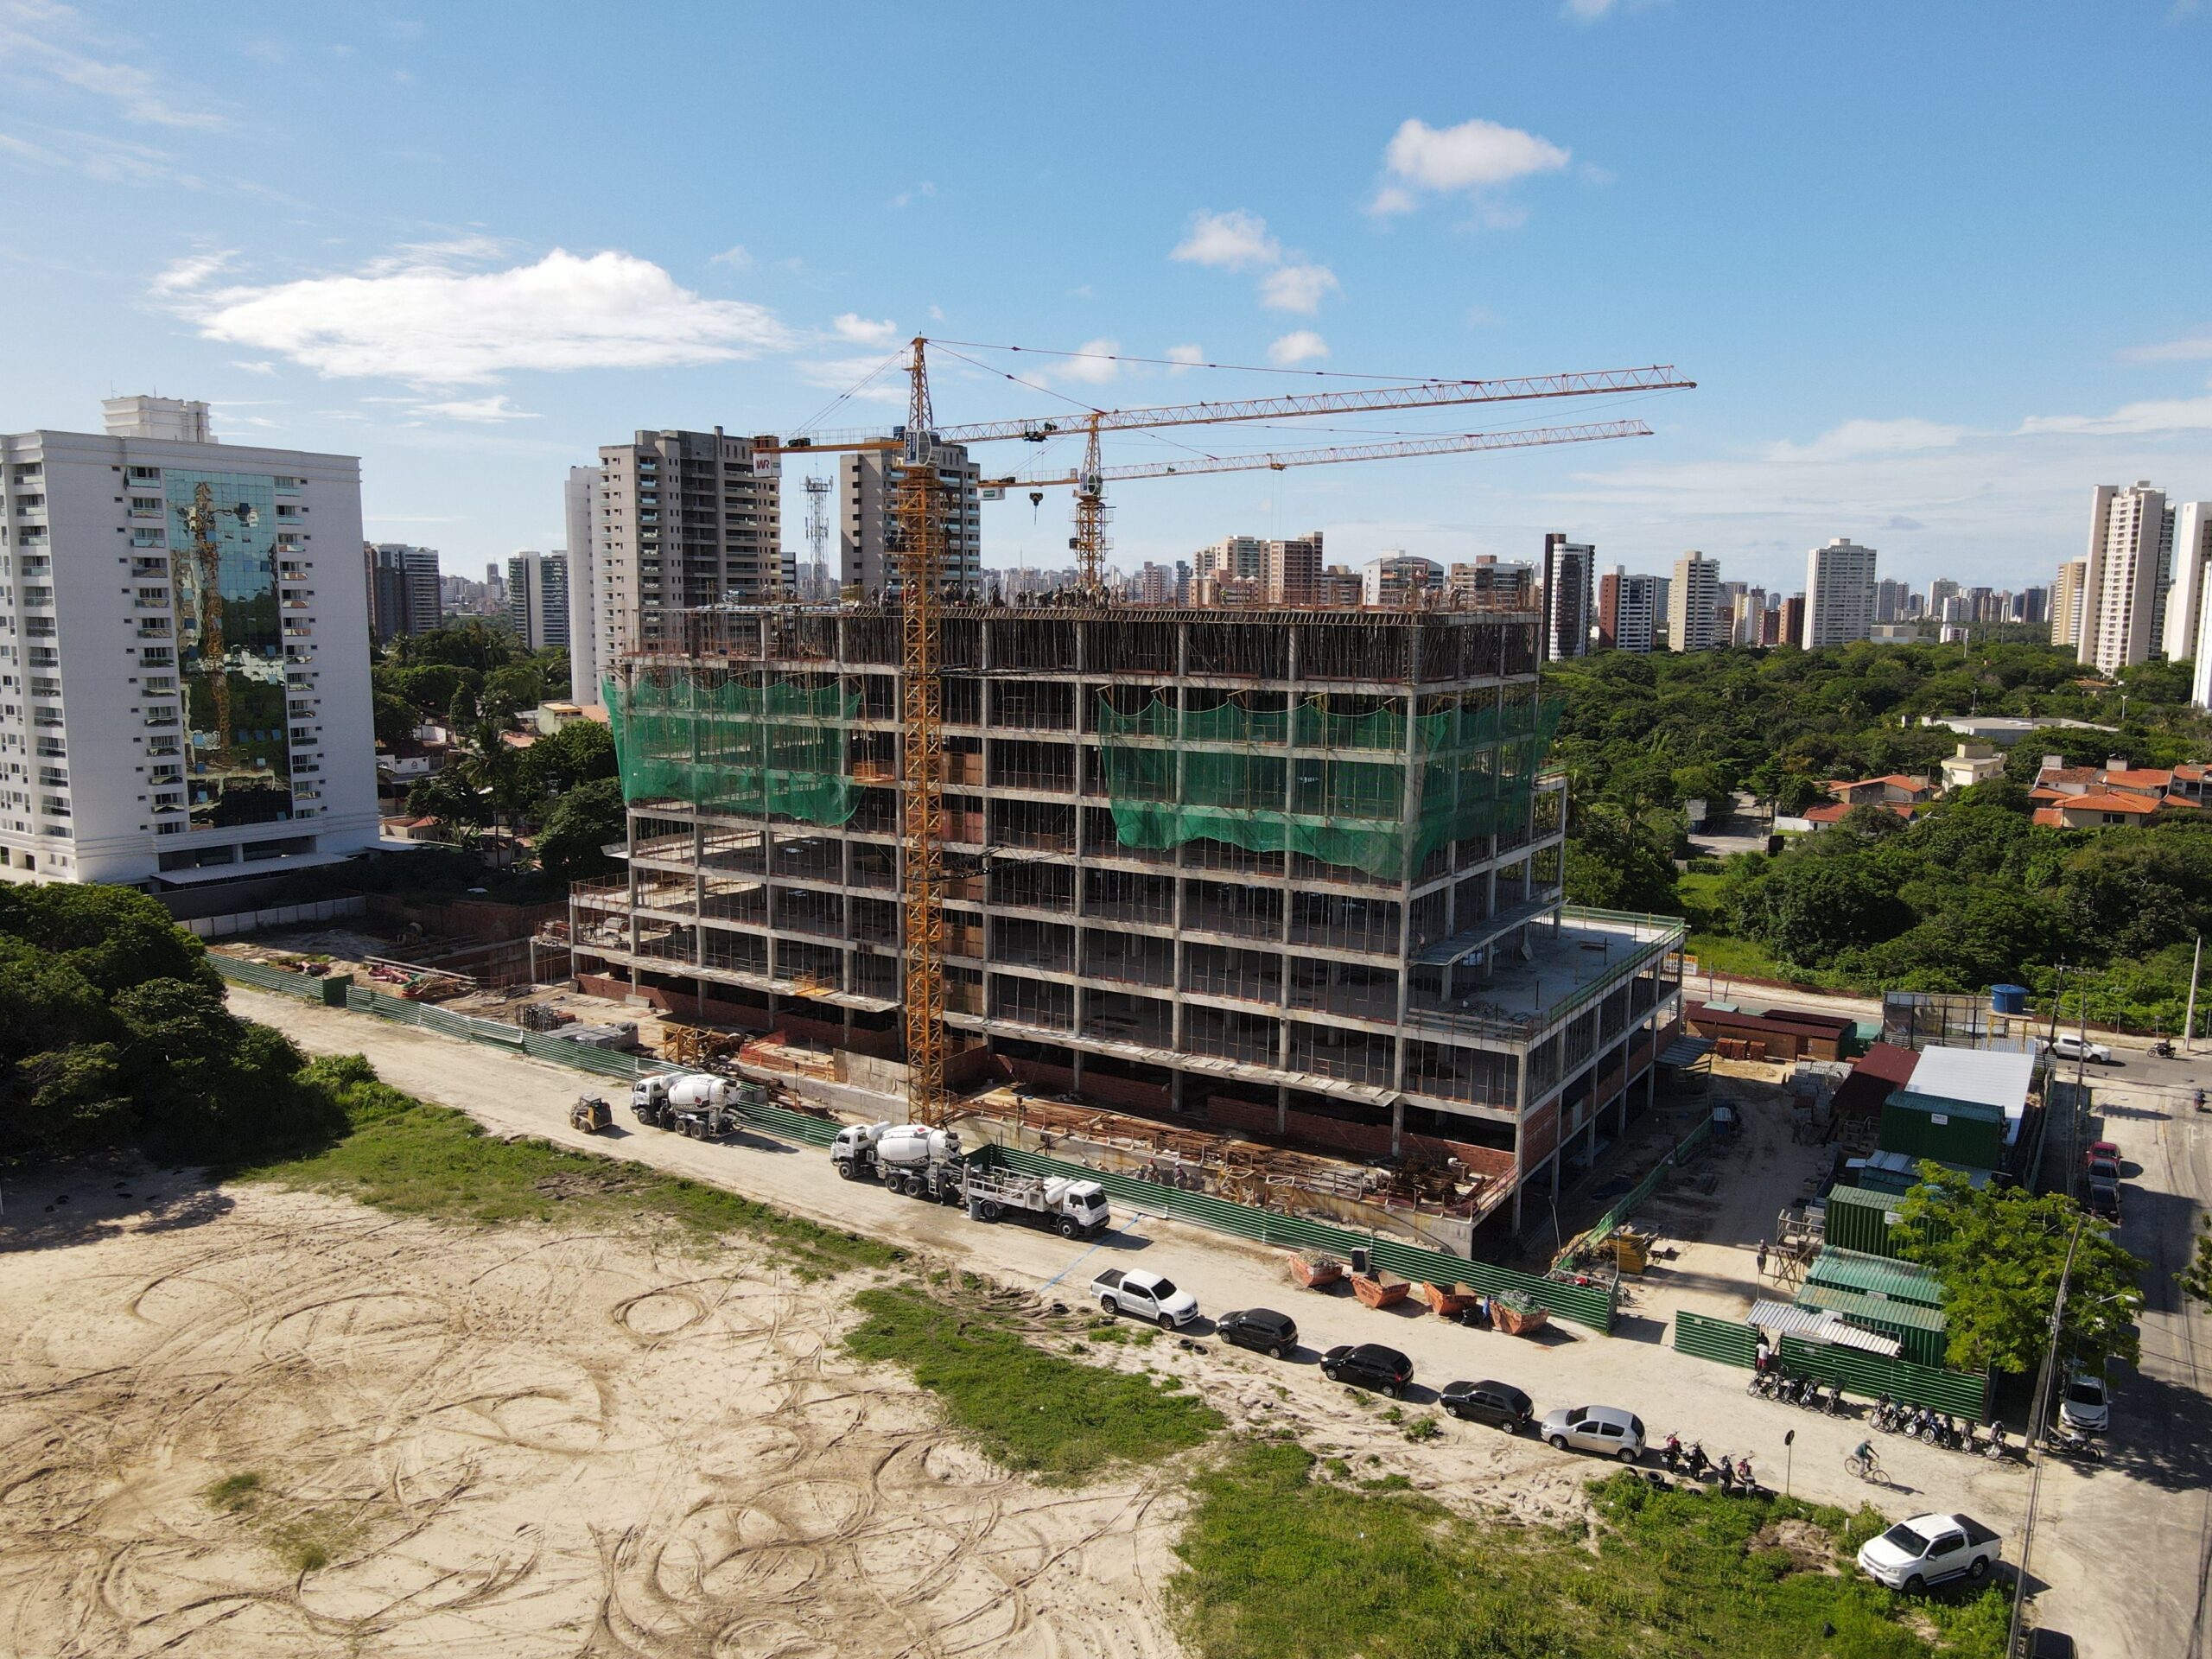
point(1868, 1468)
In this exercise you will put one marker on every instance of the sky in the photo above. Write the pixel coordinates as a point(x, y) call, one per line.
point(1935, 271)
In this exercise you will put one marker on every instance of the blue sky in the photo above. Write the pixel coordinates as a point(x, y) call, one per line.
point(1937, 269)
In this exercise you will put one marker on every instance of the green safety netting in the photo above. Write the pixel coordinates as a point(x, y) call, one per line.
point(733, 747)
point(1337, 793)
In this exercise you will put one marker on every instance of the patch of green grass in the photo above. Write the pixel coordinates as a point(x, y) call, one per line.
point(1039, 1413)
point(307, 1540)
point(233, 1492)
point(403, 1155)
point(1144, 1336)
point(1423, 1428)
point(1279, 1564)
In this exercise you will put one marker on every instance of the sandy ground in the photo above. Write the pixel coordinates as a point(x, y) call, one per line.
point(514, 1443)
point(677, 1418)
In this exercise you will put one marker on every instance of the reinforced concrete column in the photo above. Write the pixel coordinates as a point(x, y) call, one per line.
point(1282, 1109)
point(1397, 1122)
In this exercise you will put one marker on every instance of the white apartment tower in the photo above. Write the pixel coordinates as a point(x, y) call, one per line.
point(1840, 589)
point(576, 493)
point(2066, 602)
point(184, 656)
point(538, 599)
point(867, 487)
point(683, 519)
point(1691, 594)
point(2131, 541)
point(2192, 553)
point(1570, 578)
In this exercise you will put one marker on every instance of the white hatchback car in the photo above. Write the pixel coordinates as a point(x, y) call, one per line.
point(1606, 1430)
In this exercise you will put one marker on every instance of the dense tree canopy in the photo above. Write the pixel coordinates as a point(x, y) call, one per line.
point(113, 1031)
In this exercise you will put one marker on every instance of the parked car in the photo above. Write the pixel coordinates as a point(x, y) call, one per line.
point(1607, 1430)
point(1370, 1365)
point(1273, 1334)
point(2104, 1169)
point(1499, 1404)
point(1143, 1295)
point(1928, 1550)
point(2108, 1150)
point(2073, 1048)
point(2046, 1644)
point(2104, 1200)
point(2084, 1403)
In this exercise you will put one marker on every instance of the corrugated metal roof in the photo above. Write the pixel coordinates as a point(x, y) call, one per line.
point(1876, 1276)
point(1874, 1310)
point(1813, 1326)
point(1992, 1076)
point(1686, 1051)
point(1867, 1197)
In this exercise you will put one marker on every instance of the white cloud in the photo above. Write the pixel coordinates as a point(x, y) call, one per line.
point(263, 367)
point(2153, 416)
point(1474, 156)
point(921, 192)
point(1096, 362)
point(861, 331)
point(1298, 287)
point(1586, 12)
point(44, 42)
point(189, 272)
point(1184, 358)
point(1227, 241)
point(736, 258)
point(419, 315)
point(1301, 347)
point(2195, 348)
point(488, 411)
point(885, 382)
point(1854, 438)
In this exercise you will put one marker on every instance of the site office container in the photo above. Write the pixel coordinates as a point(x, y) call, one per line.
point(1919, 1331)
point(1964, 1132)
point(1838, 1267)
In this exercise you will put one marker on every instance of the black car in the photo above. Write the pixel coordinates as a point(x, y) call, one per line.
point(1499, 1404)
point(2104, 1200)
point(1370, 1365)
point(1273, 1334)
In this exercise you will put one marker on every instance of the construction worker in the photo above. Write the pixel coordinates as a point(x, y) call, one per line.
point(1762, 1258)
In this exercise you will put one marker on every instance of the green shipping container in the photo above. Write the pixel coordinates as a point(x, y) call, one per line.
point(1859, 1218)
point(334, 987)
point(1838, 1269)
point(1966, 1132)
point(1919, 1331)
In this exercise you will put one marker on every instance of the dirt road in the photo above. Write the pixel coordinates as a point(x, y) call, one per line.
point(1697, 1400)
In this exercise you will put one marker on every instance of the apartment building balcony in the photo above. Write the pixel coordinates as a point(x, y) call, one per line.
point(1559, 973)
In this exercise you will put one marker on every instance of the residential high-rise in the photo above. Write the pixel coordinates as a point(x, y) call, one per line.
point(1839, 594)
point(538, 599)
point(577, 491)
point(1289, 570)
point(2131, 540)
point(1691, 599)
point(2031, 606)
point(2191, 545)
point(1745, 614)
point(1241, 559)
point(1400, 580)
point(1570, 573)
point(1378, 952)
point(682, 518)
point(1938, 590)
point(184, 680)
point(403, 590)
point(1793, 620)
point(2066, 602)
point(1155, 584)
point(868, 485)
point(1628, 611)
point(1892, 601)
point(1487, 585)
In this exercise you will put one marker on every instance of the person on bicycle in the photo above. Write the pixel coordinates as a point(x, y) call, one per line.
point(1865, 1453)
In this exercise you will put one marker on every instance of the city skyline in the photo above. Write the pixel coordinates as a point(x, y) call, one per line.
point(472, 324)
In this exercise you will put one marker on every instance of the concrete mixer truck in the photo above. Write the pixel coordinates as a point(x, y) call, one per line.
point(696, 1104)
point(925, 1163)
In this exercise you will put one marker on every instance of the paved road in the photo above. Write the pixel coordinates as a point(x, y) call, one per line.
point(2147, 1515)
point(2154, 1502)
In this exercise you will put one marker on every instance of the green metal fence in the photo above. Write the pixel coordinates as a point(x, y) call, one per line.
point(1730, 1341)
point(537, 1044)
point(1585, 1305)
point(1861, 1373)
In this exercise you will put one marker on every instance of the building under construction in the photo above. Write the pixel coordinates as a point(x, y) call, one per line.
point(1289, 872)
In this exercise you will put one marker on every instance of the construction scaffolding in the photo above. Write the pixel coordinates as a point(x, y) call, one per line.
point(1365, 790)
point(726, 744)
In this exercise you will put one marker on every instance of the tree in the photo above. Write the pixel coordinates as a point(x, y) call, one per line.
point(447, 796)
point(580, 752)
point(507, 691)
point(1617, 862)
point(395, 719)
point(473, 644)
point(2196, 1279)
point(582, 821)
point(1813, 907)
point(1999, 1254)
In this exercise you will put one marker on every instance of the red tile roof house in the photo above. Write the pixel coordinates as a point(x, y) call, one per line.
point(2094, 809)
point(2089, 798)
point(1893, 789)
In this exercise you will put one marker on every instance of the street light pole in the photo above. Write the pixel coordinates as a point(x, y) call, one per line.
point(2038, 1416)
point(2189, 1020)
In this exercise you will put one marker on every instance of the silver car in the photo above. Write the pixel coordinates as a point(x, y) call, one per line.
point(2085, 1405)
point(1606, 1430)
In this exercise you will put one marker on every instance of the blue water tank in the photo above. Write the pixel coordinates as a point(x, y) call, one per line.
point(2008, 999)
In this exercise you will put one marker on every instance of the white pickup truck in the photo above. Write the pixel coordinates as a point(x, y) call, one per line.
point(2073, 1048)
point(1928, 1550)
point(1144, 1295)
